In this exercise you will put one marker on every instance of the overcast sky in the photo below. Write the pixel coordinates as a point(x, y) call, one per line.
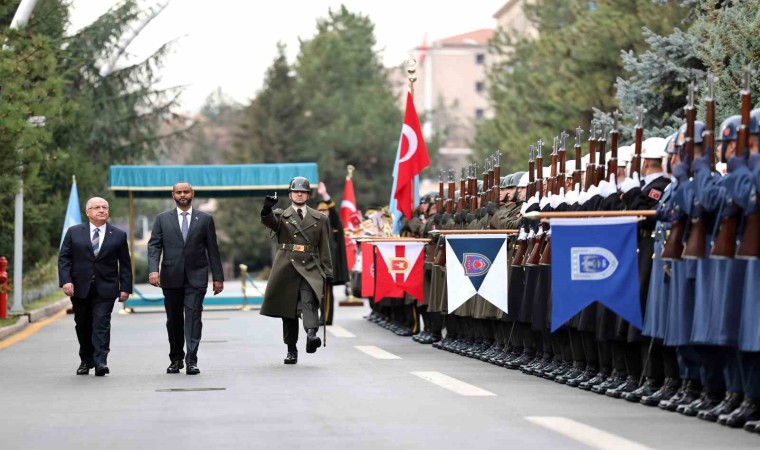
point(231, 43)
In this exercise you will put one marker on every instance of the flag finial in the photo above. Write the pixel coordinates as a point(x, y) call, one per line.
point(350, 169)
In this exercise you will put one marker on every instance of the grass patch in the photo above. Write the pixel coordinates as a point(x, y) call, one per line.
point(8, 322)
point(45, 301)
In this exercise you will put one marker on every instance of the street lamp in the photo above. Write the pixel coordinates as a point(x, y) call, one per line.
point(18, 232)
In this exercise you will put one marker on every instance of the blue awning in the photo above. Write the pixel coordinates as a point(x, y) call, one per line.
point(233, 180)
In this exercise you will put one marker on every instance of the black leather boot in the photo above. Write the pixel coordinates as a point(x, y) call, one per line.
point(629, 385)
point(690, 391)
point(313, 342)
point(291, 358)
point(730, 402)
point(707, 401)
point(668, 390)
point(649, 387)
point(589, 374)
point(599, 378)
point(748, 411)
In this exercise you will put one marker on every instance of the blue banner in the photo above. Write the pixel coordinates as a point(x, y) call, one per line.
point(73, 212)
point(595, 260)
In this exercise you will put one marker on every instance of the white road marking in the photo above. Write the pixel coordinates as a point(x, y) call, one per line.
point(454, 385)
point(340, 332)
point(586, 434)
point(376, 352)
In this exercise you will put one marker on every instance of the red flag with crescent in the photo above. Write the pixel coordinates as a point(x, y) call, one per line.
point(368, 269)
point(399, 270)
point(412, 159)
point(348, 213)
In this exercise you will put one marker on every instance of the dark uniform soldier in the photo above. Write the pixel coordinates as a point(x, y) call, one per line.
point(337, 249)
point(301, 266)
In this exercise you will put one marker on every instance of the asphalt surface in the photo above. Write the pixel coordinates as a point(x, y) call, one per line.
point(339, 397)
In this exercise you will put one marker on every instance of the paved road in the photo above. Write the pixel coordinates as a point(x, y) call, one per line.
point(340, 397)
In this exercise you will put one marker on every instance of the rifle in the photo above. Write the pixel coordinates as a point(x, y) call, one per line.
point(696, 243)
point(535, 253)
point(546, 255)
point(497, 177)
point(486, 177)
point(561, 177)
point(591, 166)
point(674, 243)
point(725, 243)
point(462, 191)
point(439, 200)
point(602, 144)
point(530, 190)
point(452, 188)
point(552, 181)
point(521, 245)
point(614, 136)
point(636, 160)
point(577, 173)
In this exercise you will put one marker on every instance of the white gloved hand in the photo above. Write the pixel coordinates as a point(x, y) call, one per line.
point(592, 191)
point(630, 183)
point(606, 189)
point(524, 208)
point(558, 199)
point(523, 235)
point(583, 197)
point(571, 198)
point(544, 201)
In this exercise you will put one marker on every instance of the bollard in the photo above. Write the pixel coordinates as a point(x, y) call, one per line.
point(244, 277)
point(3, 288)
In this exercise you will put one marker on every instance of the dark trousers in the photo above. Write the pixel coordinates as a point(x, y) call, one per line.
point(308, 308)
point(92, 318)
point(184, 307)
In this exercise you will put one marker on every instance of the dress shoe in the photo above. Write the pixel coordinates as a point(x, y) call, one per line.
point(291, 358)
point(748, 411)
point(84, 368)
point(730, 402)
point(312, 340)
point(649, 387)
point(668, 390)
point(101, 370)
point(753, 426)
point(175, 366)
point(192, 369)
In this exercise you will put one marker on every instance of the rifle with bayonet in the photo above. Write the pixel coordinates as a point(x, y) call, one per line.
point(674, 243)
point(578, 172)
point(749, 246)
point(639, 133)
point(725, 242)
point(602, 148)
point(591, 166)
point(614, 136)
point(497, 177)
point(534, 257)
point(462, 191)
point(521, 245)
point(696, 244)
point(562, 176)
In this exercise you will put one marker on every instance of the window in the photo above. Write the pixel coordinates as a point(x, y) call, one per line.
point(480, 87)
point(480, 59)
point(479, 113)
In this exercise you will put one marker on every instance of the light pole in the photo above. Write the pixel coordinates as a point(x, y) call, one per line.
point(18, 232)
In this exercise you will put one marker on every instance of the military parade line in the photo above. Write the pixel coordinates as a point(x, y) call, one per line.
point(630, 272)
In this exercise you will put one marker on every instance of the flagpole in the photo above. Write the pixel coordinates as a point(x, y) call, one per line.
point(450, 232)
point(124, 310)
point(588, 214)
point(391, 239)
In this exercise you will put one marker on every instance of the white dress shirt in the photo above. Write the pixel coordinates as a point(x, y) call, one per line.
point(101, 234)
point(189, 217)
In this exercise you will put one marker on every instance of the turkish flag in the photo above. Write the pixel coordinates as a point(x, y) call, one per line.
point(368, 269)
point(348, 213)
point(411, 160)
point(350, 252)
point(399, 269)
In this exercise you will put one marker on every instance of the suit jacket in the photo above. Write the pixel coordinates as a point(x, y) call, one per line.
point(184, 260)
point(111, 269)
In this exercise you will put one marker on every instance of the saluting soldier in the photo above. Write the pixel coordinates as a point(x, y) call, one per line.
point(302, 266)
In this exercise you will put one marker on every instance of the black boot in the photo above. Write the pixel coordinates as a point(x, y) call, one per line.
point(730, 402)
point(748, 411)
point(667, 391)
point(649, 387)
point(599, 378)
point(707, 401)
point(291, 357)
point(589, 374)
point(753, 426)
point(312, 340)
point(690, 391)
point(629, 385)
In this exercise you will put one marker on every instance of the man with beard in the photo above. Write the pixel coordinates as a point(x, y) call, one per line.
point(186, 238)
point(301, 266)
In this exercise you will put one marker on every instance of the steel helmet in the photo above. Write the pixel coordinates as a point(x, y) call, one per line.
point(299, 184)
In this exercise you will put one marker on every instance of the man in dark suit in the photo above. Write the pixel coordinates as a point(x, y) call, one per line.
point(186, 238)
point(94, 269)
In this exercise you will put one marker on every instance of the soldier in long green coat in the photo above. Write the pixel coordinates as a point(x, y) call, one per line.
point(301, 266)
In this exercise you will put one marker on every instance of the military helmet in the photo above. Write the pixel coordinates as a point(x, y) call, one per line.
point(516, 179)
point(299, 184)
point(729, 129)
point(754, 121)
point(699, 128)
point(505, 181)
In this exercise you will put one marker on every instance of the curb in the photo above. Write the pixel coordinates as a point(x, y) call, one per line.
point(35, 315)
point(22, 322)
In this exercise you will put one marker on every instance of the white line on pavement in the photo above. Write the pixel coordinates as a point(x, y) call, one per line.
point(454, 385)
point(586, 434)
point(376, 352)
point(340, 332)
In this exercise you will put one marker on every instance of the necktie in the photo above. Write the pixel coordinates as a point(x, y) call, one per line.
point(96, 241)
point(300, 214)
point(184, 226)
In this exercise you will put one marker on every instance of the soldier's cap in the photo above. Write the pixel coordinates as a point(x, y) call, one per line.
point(754, 121)
point(654, 148)
point(322, 206)
point(729, 129)
point(523, 180)
point(670, 147)
point(699, 128)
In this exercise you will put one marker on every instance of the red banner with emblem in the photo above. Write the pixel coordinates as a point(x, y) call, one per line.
point(399, 269)
point(368, 269)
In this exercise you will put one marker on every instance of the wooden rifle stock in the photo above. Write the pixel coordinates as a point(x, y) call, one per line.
point(614, 136)
point(724, 246)
point(602, 144)
point(519, 256)
point(639, 137)
point(577, 172)
point(591, 166)
point(696, 244)
point(749, 246)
